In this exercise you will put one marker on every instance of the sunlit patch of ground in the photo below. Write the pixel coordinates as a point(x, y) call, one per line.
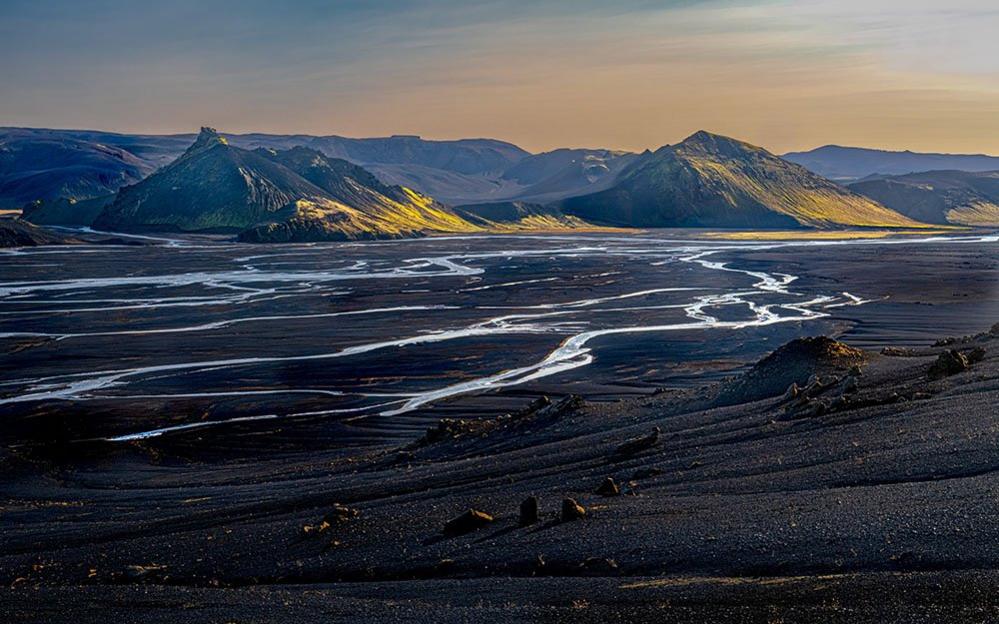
point(826, 234)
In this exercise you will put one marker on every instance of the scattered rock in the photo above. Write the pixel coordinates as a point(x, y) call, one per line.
point(563, 406)
point(950, 340)
point(645, 473)
point(898, 352)
point(571, 510)
point(467, 522)
point(813, 387)
point(850, 385)
point(949, 363)
point(976, 355)
point(339, 513)
point(529, 511)
point(792, 392)
point(540, 564)
point(599, 565)
point(404, 456)
point(146, 572)
point(635, 445)
point(855, 371)
point(608, 488)
point(448, 429)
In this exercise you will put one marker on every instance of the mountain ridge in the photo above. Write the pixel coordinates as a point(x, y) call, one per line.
point(849, 164)
point(710, 180)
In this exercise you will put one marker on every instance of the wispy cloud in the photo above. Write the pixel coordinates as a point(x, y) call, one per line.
point(544, 73)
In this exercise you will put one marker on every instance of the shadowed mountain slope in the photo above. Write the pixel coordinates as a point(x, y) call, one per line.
point(34, 167)
point(211, 187)
point(714, 181)
point(944, 197)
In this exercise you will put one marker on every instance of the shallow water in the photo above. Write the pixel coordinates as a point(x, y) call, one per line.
point(189, 333)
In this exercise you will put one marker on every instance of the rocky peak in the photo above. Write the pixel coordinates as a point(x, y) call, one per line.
point(207, 138)
point(716, 144)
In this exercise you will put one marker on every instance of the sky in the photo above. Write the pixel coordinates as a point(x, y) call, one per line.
point(623, 74)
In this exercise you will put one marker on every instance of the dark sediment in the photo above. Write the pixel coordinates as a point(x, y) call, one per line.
point(866, 495)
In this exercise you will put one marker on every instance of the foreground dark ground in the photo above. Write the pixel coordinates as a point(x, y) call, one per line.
point(870, 498)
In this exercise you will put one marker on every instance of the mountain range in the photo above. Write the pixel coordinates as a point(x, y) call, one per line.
point(272, 195)
point(849, 164)
point(300, 187)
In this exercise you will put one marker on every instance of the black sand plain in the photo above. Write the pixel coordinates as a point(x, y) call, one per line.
point(865, 500)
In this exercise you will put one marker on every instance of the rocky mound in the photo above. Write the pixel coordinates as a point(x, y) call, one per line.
point(19, 233)
point(793, 363)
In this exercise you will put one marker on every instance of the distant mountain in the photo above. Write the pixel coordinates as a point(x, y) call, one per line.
point(566, 172)
point(535, 178)
point(944, 197)
point(713, 181)
point(39, 166)
point(463, 156)
point(847, 164)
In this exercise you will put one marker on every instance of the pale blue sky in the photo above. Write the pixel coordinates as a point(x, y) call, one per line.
point(542, 73)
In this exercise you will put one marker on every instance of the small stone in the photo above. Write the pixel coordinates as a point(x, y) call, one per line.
point(467, 522)
point(792, 392)
point(340, 513)
point(608, 488)
point(571, 510)
point(529, 511)
point(976, 355)
point(645, 473)
point(602, 565)
point(635, 445)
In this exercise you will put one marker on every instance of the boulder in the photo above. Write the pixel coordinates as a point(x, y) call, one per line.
point(471, 520)
point(608, 488)
point(339, 513)
point(571, 510)
point(635, 445)
point(529, 511)
point(949, 363)
point(645, 473)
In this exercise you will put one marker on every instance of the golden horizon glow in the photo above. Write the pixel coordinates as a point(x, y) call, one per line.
point(780, 74)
